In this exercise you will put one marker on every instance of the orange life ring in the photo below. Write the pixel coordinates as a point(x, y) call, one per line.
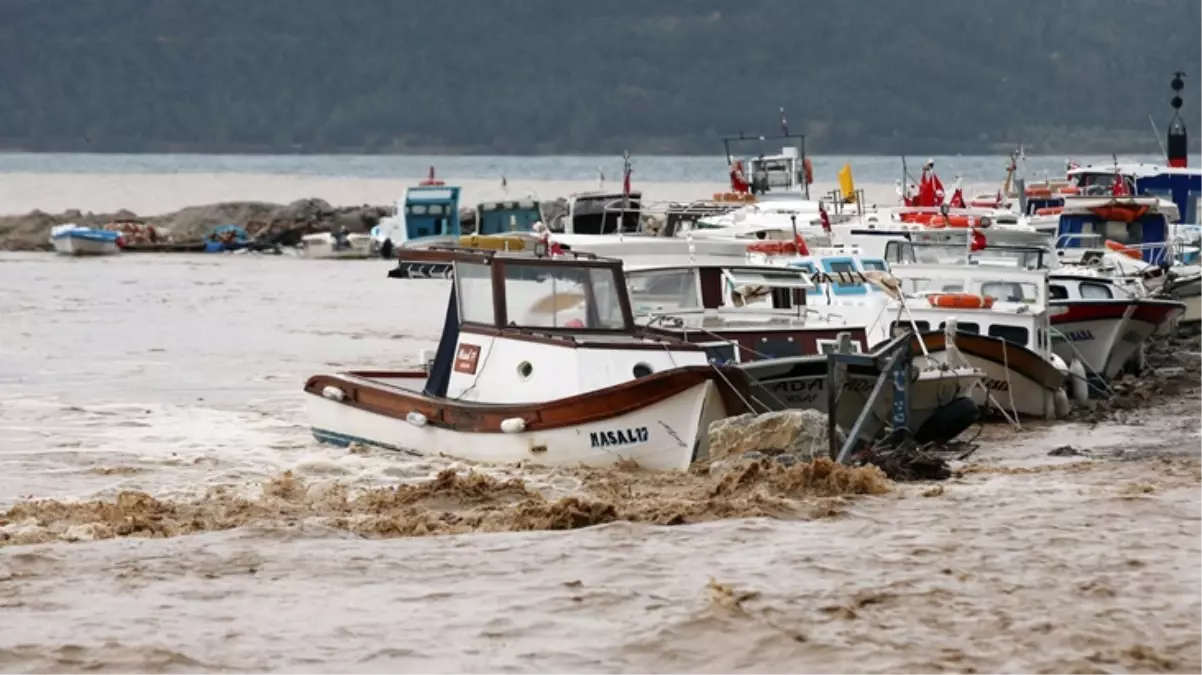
point(939, 220)
point(1125, 250)
point(960, 300)
point(1070, 190)
point(1049, 210)
point(809, 169)
point(1039, 191)
point(773, 247)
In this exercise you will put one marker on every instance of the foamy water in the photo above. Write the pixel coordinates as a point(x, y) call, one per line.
point(180, 377)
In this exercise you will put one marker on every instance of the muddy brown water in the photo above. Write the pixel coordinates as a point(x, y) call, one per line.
point(165, 510)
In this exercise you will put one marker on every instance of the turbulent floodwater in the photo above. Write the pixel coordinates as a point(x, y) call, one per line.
point(164, 509)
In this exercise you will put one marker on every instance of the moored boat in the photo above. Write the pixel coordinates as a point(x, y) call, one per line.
point(76, 240)
point(342, 245)
point(540, 361)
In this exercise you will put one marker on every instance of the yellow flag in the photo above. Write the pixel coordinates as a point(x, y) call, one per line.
point(847, 185)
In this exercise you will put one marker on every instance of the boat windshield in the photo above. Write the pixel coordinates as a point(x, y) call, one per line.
point(502, 217)
point(955, 254)
point(659, 290)
point(561, 296)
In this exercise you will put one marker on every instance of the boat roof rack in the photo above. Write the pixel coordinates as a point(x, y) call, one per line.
point(457, 253)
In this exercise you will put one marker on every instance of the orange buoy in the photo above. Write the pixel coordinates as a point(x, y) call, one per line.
point(809, 169)
point(776, 248)
point(951, 220)
point(1039, 191)
point(960, 301)
point(1125, 250)
point(1049, 210)
point(1069, 190)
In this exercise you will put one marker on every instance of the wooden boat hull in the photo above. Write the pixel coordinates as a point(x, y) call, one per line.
point(660, 421)
point(70, 244)
point(1104, 334)
point(800, 383)
point(1189, 292)
point(1016, 378)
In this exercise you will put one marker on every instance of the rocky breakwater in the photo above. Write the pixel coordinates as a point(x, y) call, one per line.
point(269, 223)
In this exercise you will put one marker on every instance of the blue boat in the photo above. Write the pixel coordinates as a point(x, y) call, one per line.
point(226, 238)
point(72, 239)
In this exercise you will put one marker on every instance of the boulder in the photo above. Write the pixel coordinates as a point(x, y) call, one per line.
point(801, 434)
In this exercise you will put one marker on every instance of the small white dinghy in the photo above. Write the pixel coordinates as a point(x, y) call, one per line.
point(540, 361)
point(341, 246)
point(72, 239)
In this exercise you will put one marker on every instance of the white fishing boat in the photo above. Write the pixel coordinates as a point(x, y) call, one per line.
point(540, 361)
point(757, 316)
point(1097, 321)
point(76, 240)
point(340, 246)
point(1001, 325)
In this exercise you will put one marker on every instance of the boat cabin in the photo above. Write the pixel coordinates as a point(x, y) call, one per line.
point(838, 277)
point(683, 217)
point(1132, 224)
point(740, 313)
point(1004, 297)
point(523, 328)
point(501, 217)
point(1180, 185)
point(603, 213)
point(426, 211)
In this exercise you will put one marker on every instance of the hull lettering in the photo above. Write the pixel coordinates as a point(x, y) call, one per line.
point(615, 437)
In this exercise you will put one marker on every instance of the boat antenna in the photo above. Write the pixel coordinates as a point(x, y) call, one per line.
point(1156, 132)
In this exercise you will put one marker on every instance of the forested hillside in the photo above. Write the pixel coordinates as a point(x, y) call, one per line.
point(569, 76)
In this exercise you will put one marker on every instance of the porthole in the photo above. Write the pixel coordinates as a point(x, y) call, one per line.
point(525, 370)
point(642, 370)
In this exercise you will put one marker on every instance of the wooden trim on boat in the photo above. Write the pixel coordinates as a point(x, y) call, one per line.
point(1018, 358)
point(375, 396)
point(568, 337)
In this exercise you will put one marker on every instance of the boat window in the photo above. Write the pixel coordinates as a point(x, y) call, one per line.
point(899, 252)
point(658, 290)
point(899, 328)
point(1123, 233)
point(874, 264)
point(474, 282)
point(1057, 292)
point(416, 210)
point(1013, 334)
point(545, 296)
point(1092, 290)
point(834, 267)
point(964, 327)
point(832, 346)
point(913, 285)
point(1010, 291)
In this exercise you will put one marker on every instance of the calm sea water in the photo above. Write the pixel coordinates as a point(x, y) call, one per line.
point(868, 169)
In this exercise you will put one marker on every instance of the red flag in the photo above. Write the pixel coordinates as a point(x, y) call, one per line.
point(626, 181)
point(1119, 189)
point(957, 199)
point(799, 243)
point(738, 183)
point(926, 190)
point(978, 241)
point(937, 186)
point(826, 220)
